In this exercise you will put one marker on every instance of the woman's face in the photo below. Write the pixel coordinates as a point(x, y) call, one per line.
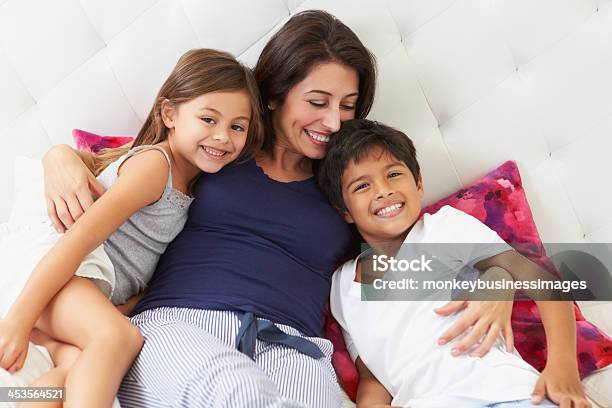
point(314, 109)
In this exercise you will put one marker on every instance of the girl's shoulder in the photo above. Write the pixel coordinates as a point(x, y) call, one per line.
point(149, 150)
point(146, 159)
point(147, 168)
point(175, 192)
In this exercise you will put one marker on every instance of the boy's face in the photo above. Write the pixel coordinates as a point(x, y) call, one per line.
point(381, 196)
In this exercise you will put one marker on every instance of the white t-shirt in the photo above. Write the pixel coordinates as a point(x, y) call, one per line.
point(397, 340)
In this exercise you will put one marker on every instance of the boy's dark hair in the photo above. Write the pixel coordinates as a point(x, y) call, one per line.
point(355, 139)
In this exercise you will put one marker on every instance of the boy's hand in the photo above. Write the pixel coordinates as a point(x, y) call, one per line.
point(14, 341)
point(561, 383)
point(486, 318)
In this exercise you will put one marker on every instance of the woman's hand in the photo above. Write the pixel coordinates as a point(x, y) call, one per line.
point(486, 318)
point(14, 340)
point(70, 186)
point(561, 382)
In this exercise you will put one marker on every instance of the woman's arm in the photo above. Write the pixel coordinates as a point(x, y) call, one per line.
point(60, 152)
point(70, 184)
point(142, 182)
point(486, 317)
point(370, 392)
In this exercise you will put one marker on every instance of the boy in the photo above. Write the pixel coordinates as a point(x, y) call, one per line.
point(371, 175)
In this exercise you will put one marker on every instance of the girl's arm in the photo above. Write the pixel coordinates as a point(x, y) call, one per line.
point(560, 378)
point(370, 392)
point(142, 182)
point(70, 185)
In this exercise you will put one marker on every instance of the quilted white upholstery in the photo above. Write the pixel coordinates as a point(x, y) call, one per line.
point(473, 82)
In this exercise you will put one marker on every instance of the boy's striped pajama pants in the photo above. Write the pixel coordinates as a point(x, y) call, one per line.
point(189, 359)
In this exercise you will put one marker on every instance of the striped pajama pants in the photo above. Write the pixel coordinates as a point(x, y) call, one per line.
point(189, 359)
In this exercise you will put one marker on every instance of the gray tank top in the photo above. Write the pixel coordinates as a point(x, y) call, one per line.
point(136, 246)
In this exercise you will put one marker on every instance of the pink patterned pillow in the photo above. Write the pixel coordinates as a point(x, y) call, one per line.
point(348, 376)
point(90, 142)
point(499, 201)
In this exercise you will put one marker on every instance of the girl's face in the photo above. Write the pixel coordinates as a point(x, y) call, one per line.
point(211, 130)
point(314, 109)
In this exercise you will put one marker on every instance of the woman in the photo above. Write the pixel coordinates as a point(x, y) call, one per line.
point(261, 240)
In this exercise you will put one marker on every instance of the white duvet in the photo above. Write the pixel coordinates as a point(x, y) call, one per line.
point(597, 385)
point(38, 360)
point(29, 209)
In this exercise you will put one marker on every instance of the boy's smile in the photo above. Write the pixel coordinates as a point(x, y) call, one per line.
point(381, 197)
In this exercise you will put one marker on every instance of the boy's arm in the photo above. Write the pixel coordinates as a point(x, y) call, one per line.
point(560, 379)
point(370, 392)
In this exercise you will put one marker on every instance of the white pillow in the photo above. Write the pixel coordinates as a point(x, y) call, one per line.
point(29, 198)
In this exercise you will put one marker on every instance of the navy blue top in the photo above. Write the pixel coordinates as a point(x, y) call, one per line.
point(255, 245)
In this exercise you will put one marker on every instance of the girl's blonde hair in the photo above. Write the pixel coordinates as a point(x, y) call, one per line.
point(197, 72)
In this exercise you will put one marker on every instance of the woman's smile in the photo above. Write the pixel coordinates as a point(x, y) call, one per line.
point(317, 138)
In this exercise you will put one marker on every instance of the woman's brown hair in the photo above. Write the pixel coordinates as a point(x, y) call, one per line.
point(309, 38)
point(197, 72)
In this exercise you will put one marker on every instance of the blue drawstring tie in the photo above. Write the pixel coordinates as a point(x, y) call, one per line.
point(252, 329)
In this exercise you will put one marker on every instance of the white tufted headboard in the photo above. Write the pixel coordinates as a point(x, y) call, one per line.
point(473, 82)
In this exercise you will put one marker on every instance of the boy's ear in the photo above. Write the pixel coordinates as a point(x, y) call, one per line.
point(168, 113)
point(345, 215)
point(420, 185)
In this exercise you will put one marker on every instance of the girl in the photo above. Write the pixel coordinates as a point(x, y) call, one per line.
point(205, 116)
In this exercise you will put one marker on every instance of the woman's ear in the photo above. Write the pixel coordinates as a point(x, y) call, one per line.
point(272, 105)
point(168, 113)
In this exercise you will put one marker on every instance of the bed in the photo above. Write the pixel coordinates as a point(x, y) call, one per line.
point(473, 82)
